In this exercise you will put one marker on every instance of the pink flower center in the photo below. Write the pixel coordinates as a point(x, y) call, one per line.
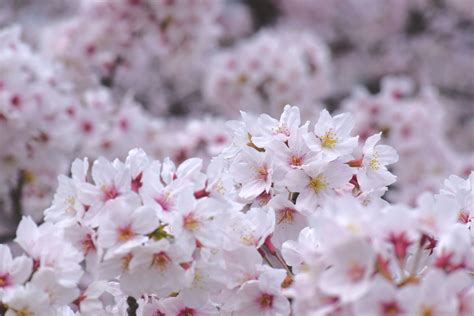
point(265, 300)
point(400, 243)
point(125, 233)
point(109, 193)
point(87, 244)
point(286, 214)
point(390, 308)
point(262, 173)
point(356, 272)
point(186, 312)
point(296, 161)
point(282, 130)
point(161, 260)
point(164, 201)
point(4, 280)
point(87, 127)
point(190, 222)
point(15, 101)
point(137, 182)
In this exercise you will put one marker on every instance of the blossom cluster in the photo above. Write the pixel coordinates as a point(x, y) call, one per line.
point(46, 121)
point(33, 120)
point(290, 218)
point(273, 68)
point(343, 215)
point(117, 42)
point(416, 124)
point(372, 38)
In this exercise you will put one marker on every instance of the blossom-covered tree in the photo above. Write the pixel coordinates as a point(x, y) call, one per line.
point(125, 190)
point(246, 235)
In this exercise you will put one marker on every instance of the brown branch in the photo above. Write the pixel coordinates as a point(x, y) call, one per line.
point(132, 306)
point(14, 217)
point(16, 197)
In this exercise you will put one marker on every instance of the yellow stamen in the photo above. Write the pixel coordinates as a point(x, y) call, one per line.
point(262, 172)
point(161, 260)
point(374, 162)
point(329, 140)
point(296, 161)
point(286, 215)
point(70, 201)
point(190, 223)
point(248, 240)
point(318, 183)
point(125, 233)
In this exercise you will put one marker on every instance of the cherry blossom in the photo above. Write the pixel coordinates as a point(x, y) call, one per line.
point(183, 238)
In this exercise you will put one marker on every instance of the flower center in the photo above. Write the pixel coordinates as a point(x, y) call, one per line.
point(109, 192)
point(249, 240)
point(4, 280)
point(186, 312)
point(282, 130)
point(164, 201)
point(87, 244)
point(125, 233)
point(262, 173)
point(70, 201)
point(374, 162)
point(355, 272)
point(161, 260)
point(296, 161)
point(329, 140)
point(286, 215)
point(318, 183)
point(190, 222)
point(390, 309)
point(265, 300)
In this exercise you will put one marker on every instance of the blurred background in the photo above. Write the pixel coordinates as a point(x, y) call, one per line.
point(89, 78)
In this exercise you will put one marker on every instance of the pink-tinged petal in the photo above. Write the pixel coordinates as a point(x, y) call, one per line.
point(308, 200)
point(386, 155)
point(145, 220)
point(338, 174)
point(102, 172)
point(252, 189)
point(21, 269)
point(5, 259)
point(324, 123)
point(371, 141)
point(343, 123)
